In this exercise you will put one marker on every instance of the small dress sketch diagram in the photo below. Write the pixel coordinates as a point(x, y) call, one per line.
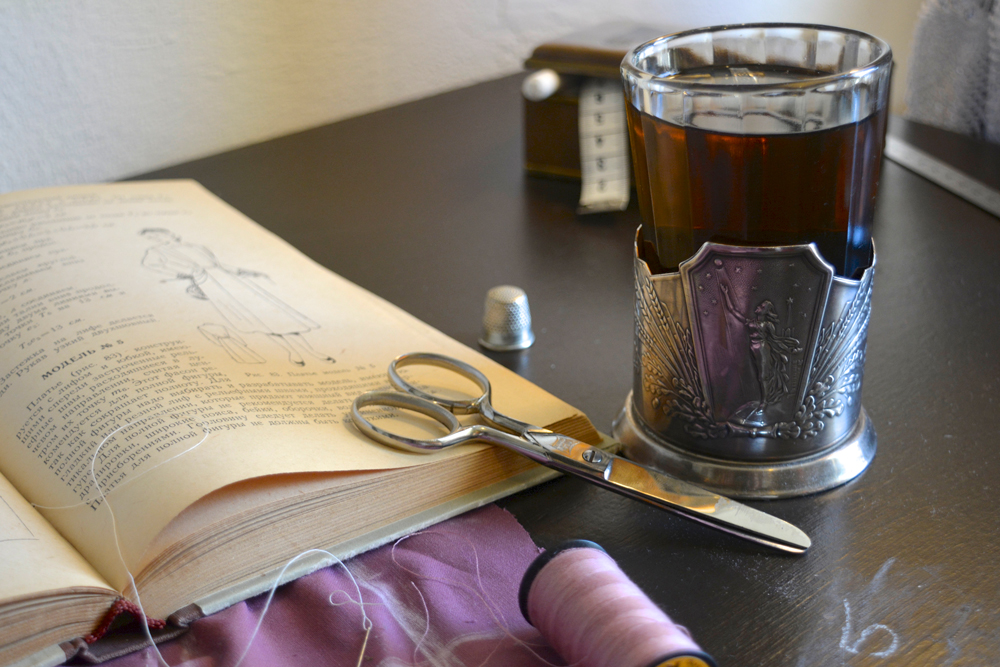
point(771, 354)
point(245, 306)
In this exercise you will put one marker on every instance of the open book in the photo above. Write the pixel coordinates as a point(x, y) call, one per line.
point(200, 370)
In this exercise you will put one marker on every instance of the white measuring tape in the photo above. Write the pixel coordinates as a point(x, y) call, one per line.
point(604, 148)
point(943, 174)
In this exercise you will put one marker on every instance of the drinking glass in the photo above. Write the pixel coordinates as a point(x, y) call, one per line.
point(760, 135)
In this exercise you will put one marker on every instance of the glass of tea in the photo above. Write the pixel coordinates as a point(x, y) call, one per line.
point(756, 151)
point(759, 135)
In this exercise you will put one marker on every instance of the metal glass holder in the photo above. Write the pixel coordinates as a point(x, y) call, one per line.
point(748, 367)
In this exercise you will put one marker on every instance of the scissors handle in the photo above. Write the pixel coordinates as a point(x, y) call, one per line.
point(457, 434)
point(481, 405)
point(454, 406)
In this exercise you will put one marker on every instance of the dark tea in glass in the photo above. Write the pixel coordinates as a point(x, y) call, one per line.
point(761, 136)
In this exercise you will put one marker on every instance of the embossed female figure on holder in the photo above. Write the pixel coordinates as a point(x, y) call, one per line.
point(770, 352)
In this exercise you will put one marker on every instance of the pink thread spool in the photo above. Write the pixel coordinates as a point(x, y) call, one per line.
point(594, 616)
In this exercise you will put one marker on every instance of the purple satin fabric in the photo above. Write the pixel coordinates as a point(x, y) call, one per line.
point(442, 597)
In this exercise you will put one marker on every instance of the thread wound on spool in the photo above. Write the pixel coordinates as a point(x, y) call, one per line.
point(541, 561)
point(595, 616)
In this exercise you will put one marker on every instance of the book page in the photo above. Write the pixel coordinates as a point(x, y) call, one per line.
point(34, 558)
point(162, 345)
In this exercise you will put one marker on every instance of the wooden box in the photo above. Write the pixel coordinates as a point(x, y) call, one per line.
point(551, 128)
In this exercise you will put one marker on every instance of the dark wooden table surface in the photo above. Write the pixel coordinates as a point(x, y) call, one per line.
point(426, 205)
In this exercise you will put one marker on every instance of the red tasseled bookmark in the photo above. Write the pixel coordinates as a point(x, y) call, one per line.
point(120, 607)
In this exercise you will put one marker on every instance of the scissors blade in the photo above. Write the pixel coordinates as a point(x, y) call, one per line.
point(693, 502)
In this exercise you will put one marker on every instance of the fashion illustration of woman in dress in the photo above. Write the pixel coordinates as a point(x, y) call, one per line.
point(244, 305)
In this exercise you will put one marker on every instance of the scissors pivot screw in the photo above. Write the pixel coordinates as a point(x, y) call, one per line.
point(593, 456)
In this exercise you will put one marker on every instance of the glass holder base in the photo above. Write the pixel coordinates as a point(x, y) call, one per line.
point(823, 470)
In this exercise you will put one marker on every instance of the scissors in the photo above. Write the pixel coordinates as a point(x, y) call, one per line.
point(562, 453)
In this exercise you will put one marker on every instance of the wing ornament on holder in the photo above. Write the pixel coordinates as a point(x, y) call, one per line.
point(669, 368)
point(839, 362)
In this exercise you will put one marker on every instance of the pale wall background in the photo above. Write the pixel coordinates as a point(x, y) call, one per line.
point(95, 90)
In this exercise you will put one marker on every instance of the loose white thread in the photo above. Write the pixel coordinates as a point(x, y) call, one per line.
point(114, 522)
point(366, 623)
point(490, 605)
point(427, 624)
point(93, 464)
point(118, 546)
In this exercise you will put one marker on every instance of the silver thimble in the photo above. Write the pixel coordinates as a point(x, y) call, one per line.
point(506, 320)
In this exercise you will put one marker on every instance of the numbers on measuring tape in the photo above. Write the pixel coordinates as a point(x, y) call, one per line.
point(604, 165)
